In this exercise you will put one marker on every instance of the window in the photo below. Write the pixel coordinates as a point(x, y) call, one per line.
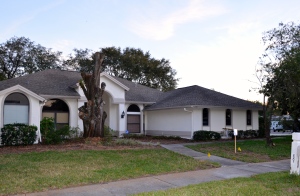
point(249, 117)
point(16, 109)
point(205, 117)
point(133, 108)
point(58, 110)
point(228, 117)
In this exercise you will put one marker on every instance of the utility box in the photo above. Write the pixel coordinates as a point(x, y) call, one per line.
point(295, 155)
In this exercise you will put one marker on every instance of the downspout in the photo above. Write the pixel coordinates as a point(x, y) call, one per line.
point(192, 116)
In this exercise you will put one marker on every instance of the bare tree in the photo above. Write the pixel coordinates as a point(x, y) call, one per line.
point(92, 112)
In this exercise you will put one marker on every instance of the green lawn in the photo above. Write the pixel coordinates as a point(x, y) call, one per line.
point(278, 183)
point(252, 151)
point(38, 171)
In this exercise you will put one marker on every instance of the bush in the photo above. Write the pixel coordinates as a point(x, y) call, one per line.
point(133, 136)
point(108, 135)
point(206, 135)
point(52, 136)
point(126, 142)
point(18, 134)
point(245, 134)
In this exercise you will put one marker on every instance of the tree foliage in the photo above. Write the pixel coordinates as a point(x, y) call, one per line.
point(280, 68)
point(20, 56)
point(131, 64)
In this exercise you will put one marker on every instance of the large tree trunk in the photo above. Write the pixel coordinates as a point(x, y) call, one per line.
point(92, 112)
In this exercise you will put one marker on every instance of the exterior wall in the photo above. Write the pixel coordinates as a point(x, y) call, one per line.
point(73, 112)
point(169, 122)
point(183, 122)
point(217, 119)
point(114, 90)
point(255, 120)
point(34, 110)
point(197, 120)
point(239, 119)
point(2, 97)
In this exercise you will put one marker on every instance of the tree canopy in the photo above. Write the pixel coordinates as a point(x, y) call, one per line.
point(20, 56)
point(280, 65)
point(130, 63)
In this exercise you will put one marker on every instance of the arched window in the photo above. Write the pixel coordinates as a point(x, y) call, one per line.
point(205, 117)
point(58, 110)
point(249, 117)
point(228, 117)
point(134, 119)
point(133, 108)
point(16, 109)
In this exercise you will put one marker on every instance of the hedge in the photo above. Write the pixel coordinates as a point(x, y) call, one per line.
point(202, 135)
point(18, 134)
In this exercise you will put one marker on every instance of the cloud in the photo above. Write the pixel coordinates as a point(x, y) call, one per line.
point(161, 27)
point(65, 46)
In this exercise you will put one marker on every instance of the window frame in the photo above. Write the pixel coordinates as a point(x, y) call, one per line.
point(228, 117)
point(205, 117)
point(248, 117)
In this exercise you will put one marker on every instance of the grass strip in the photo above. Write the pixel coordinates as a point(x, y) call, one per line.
point(251, 151)
point(39, 171)
point(277, 183)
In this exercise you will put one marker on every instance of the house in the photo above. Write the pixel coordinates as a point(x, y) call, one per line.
point(129, 106)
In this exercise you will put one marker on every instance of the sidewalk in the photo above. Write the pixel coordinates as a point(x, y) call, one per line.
point(229, 169)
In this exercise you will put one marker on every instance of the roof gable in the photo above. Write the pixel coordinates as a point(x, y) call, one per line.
point(114, 80)
point(19, 88)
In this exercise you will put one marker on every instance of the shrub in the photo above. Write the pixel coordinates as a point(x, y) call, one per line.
point(245, 134)
point(75, 132)
point(108, 135)
point(52, 136)
point(206, 135)
point(18, 134)
point(126, 142)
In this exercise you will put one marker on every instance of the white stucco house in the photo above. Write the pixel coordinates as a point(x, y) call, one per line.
point(129, 106)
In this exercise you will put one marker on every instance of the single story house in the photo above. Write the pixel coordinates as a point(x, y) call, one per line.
point(129, 106)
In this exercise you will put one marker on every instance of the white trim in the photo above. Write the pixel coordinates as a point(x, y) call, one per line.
point(60, 97)
point(115, 81)
point(139, 102)
point(205, 106)
point(135, 113)
point(18, 88)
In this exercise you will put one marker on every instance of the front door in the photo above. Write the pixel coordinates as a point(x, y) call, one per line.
point(133, 123)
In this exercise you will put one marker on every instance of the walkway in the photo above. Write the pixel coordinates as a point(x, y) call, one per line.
point(229, 169)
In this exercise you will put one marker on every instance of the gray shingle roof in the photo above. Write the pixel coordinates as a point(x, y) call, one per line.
point(48, 82)
point(58, 82)
point(199, 96)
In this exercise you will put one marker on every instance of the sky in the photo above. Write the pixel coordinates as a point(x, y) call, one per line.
point(215, 44)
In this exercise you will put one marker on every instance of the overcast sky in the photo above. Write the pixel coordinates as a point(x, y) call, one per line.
point(215, 44)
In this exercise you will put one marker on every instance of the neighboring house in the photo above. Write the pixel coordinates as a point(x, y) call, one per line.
point(129, 106)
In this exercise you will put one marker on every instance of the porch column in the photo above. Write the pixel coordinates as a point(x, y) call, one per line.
point(122, 121)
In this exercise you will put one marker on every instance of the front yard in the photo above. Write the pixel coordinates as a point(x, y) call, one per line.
point(251, 151)
point(38, 171)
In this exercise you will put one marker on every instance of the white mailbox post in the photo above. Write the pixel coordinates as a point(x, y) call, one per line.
point(295, 155)
point(235, 133)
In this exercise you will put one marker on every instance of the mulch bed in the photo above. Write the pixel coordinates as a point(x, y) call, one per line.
point(93, 144)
